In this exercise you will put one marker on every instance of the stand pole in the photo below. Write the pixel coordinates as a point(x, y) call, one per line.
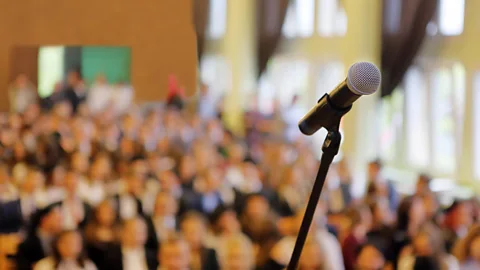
point(330, 148)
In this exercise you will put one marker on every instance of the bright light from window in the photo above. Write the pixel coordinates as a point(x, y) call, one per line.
point(451, 17)
point(50, 69)
point(443, 121)
point(332, 18)
point(417, 123)
point(299, 20)
point(218, 19)
point(476, 126)
point(216, 73)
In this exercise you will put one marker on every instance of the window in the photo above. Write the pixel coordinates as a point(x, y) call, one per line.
point(299, 20)
point(216, 73)
point(50, 69)
point(284, 79)
point(417, 115)
point(218, 19)
point(332, 18)
point(476, 126)
point(451, 17)
point(443, 121)
point(391, 125)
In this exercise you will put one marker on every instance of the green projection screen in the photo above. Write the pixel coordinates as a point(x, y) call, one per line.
point(113, 62)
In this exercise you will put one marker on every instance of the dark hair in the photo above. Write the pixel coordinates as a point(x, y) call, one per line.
point(403, 213)
point(430, 263)
point(82, 257)
point(377, 162)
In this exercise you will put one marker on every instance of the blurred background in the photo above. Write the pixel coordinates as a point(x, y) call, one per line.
point(189, 110)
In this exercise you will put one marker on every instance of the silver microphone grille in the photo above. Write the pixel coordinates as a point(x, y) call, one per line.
point(364, 78)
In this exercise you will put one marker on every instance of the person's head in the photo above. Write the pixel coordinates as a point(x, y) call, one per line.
point(237, 253)
point(431, 205)
point(469, 247)
point(236, 152)
point(165, 205)
point(423, 184)
point(50, 219)
point(213, 179)
point(134, 184)
point(139, 166)
point(428, 241)
point(69, 246)
point(360, 219)
point(381, 213)
point(34, 180)
point(311, 258)
point(134, 233)
point(369, 258)
point(101, 167)
point(74, 78)
point(257, 207)
point(57, 176)
point(374, 170)
point(105, 214)
point(194, 228)
point(71, 182)
point(174, 253)
point(79, 162)
point(19, 151)
point(411, 212)
point(168, 180)
point(225, 221)
point(187, 168)
point(459, 215)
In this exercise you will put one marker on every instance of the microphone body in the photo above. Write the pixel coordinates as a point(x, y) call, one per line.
point(363, 79)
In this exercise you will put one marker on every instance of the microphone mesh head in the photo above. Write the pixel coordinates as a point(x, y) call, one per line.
point(364, 78)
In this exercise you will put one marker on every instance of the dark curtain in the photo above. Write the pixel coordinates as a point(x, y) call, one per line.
point(201, 12)
point(269, 20)
point(404, 28)
point(72, 59)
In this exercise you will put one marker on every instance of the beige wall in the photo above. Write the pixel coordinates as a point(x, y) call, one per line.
point(160, 34)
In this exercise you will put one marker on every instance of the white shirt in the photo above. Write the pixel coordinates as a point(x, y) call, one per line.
point(134, 259)
point(73, 212)
point(92, 193)
point(122, 98)
point(128, 206)
point(99, 97)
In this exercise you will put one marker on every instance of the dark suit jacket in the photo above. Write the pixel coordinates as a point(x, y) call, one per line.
point(209, 259)
point(114, 259)
point(29, 252)
point(11, 218)
point(193, 201)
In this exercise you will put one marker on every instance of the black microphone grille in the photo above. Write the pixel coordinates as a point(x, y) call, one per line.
point(364, 78)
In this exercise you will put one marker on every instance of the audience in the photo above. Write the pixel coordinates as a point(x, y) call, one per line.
point(94, 182)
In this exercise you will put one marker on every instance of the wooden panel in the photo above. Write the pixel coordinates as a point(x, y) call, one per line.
point(160, 34)
point(23, 60)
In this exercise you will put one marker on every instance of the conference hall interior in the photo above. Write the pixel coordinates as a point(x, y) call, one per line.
point(164, 134)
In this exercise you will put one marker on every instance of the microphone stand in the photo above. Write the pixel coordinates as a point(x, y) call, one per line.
point(330, 149)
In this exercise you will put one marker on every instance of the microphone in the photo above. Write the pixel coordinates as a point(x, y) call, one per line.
point(363, 78)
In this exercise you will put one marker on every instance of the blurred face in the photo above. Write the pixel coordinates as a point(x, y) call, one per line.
point(73, 78)
point(71, 183)
point(33, 182)
point(422, 245)
point(187, 168)
point(168, 180)
point(463, 215)
point(105, 214)
point(257, 208)
point(382, 213)
point(475, 249)
point(58, 175)
point(370, 259)
point(80, 162)
point(140, 167)
point(239, 258)
point(53, 221)
point(134, 233)
point(311, 257)
point(228, 223)
point(175, 256)
point(165, 205)
point(101, 168)
point(70, 245)
point(193, 230)
point(4, 176)
point(431, 205)
point(134, 185)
